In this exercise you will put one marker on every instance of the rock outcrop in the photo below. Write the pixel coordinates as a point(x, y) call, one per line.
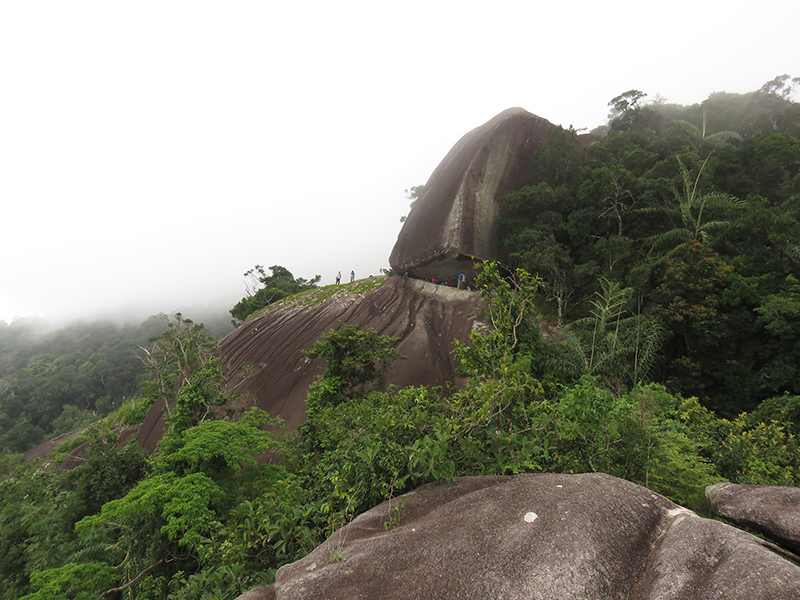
point(265, 353)
point(769, 509)
point(537, 536)
point(453, 220)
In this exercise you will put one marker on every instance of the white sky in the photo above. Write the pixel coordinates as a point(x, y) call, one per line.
point(153, 151)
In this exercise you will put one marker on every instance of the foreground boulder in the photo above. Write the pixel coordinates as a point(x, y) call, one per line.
point(769, 509)
point(542, 536)
point(453, 220)
point(265, 354)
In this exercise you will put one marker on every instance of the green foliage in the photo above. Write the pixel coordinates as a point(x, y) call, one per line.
point(756, 448)
point(676, 469)
point(181, 508)
point(628, 209)
point(197, 401)
point(620, 347)
point(533, 229)
point(279, 284)
point(767, 453)
point(216, 447)
point(72, 581)
point(60, 381)
point(355, 361)
point(690, 213)
point(108, 472)
point(132, 411)
point(224, 582)
point(509, 303)
point(627, 101)
point(191, 485)
point(174, 357)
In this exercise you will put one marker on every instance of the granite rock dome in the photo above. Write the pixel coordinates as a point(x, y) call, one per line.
point(453, 220)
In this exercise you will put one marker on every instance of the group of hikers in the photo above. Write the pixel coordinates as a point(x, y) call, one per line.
point(339, 277)
point(461, 282)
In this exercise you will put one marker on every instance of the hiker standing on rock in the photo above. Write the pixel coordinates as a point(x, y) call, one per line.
point(352, 276)
point(338, 277)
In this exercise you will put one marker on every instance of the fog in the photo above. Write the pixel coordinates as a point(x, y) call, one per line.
point(152, 152)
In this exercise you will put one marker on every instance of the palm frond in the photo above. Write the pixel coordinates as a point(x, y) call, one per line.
point(690, 129)
point(793, 252)
point(653, 210)
point(673, 237)
point(649, 336)
point(723, 136)
point(98, 553)
point(715, 226)
point(721, 199)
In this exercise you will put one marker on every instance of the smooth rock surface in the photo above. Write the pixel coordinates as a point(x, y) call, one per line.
point(426, 317)
point(769, 509)
point(453, 220)
point(542, 536)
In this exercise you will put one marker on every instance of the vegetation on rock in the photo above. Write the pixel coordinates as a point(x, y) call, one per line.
point(674, 366)
point(276, 286)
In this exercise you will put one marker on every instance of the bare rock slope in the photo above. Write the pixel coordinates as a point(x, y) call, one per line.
point(265, 353)
point(453, 220)
point(537, 536)
point(769, 509)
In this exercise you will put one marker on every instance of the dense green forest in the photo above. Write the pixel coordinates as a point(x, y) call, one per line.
point(52, 383)
point(56, 381)
point(682, 221)
point(646, 323)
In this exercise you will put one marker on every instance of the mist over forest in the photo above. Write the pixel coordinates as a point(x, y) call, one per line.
point(643, 321)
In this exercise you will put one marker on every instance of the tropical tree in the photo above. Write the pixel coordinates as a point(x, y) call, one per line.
point(699, 135)
point(175, 357)
point(532, 230)
point(613, 342)
point(624, 102)
point(689, 213)
point(356, 362)
point(509, 300)
point(263, 289)
point(782, 85)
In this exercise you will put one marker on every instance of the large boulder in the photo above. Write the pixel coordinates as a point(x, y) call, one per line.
point(265, 354)
point(537, 536)
point(769, 509)
point(453, 220)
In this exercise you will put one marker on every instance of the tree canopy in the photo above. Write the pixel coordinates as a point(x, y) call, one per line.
point(263, 289)
point(694, 211)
